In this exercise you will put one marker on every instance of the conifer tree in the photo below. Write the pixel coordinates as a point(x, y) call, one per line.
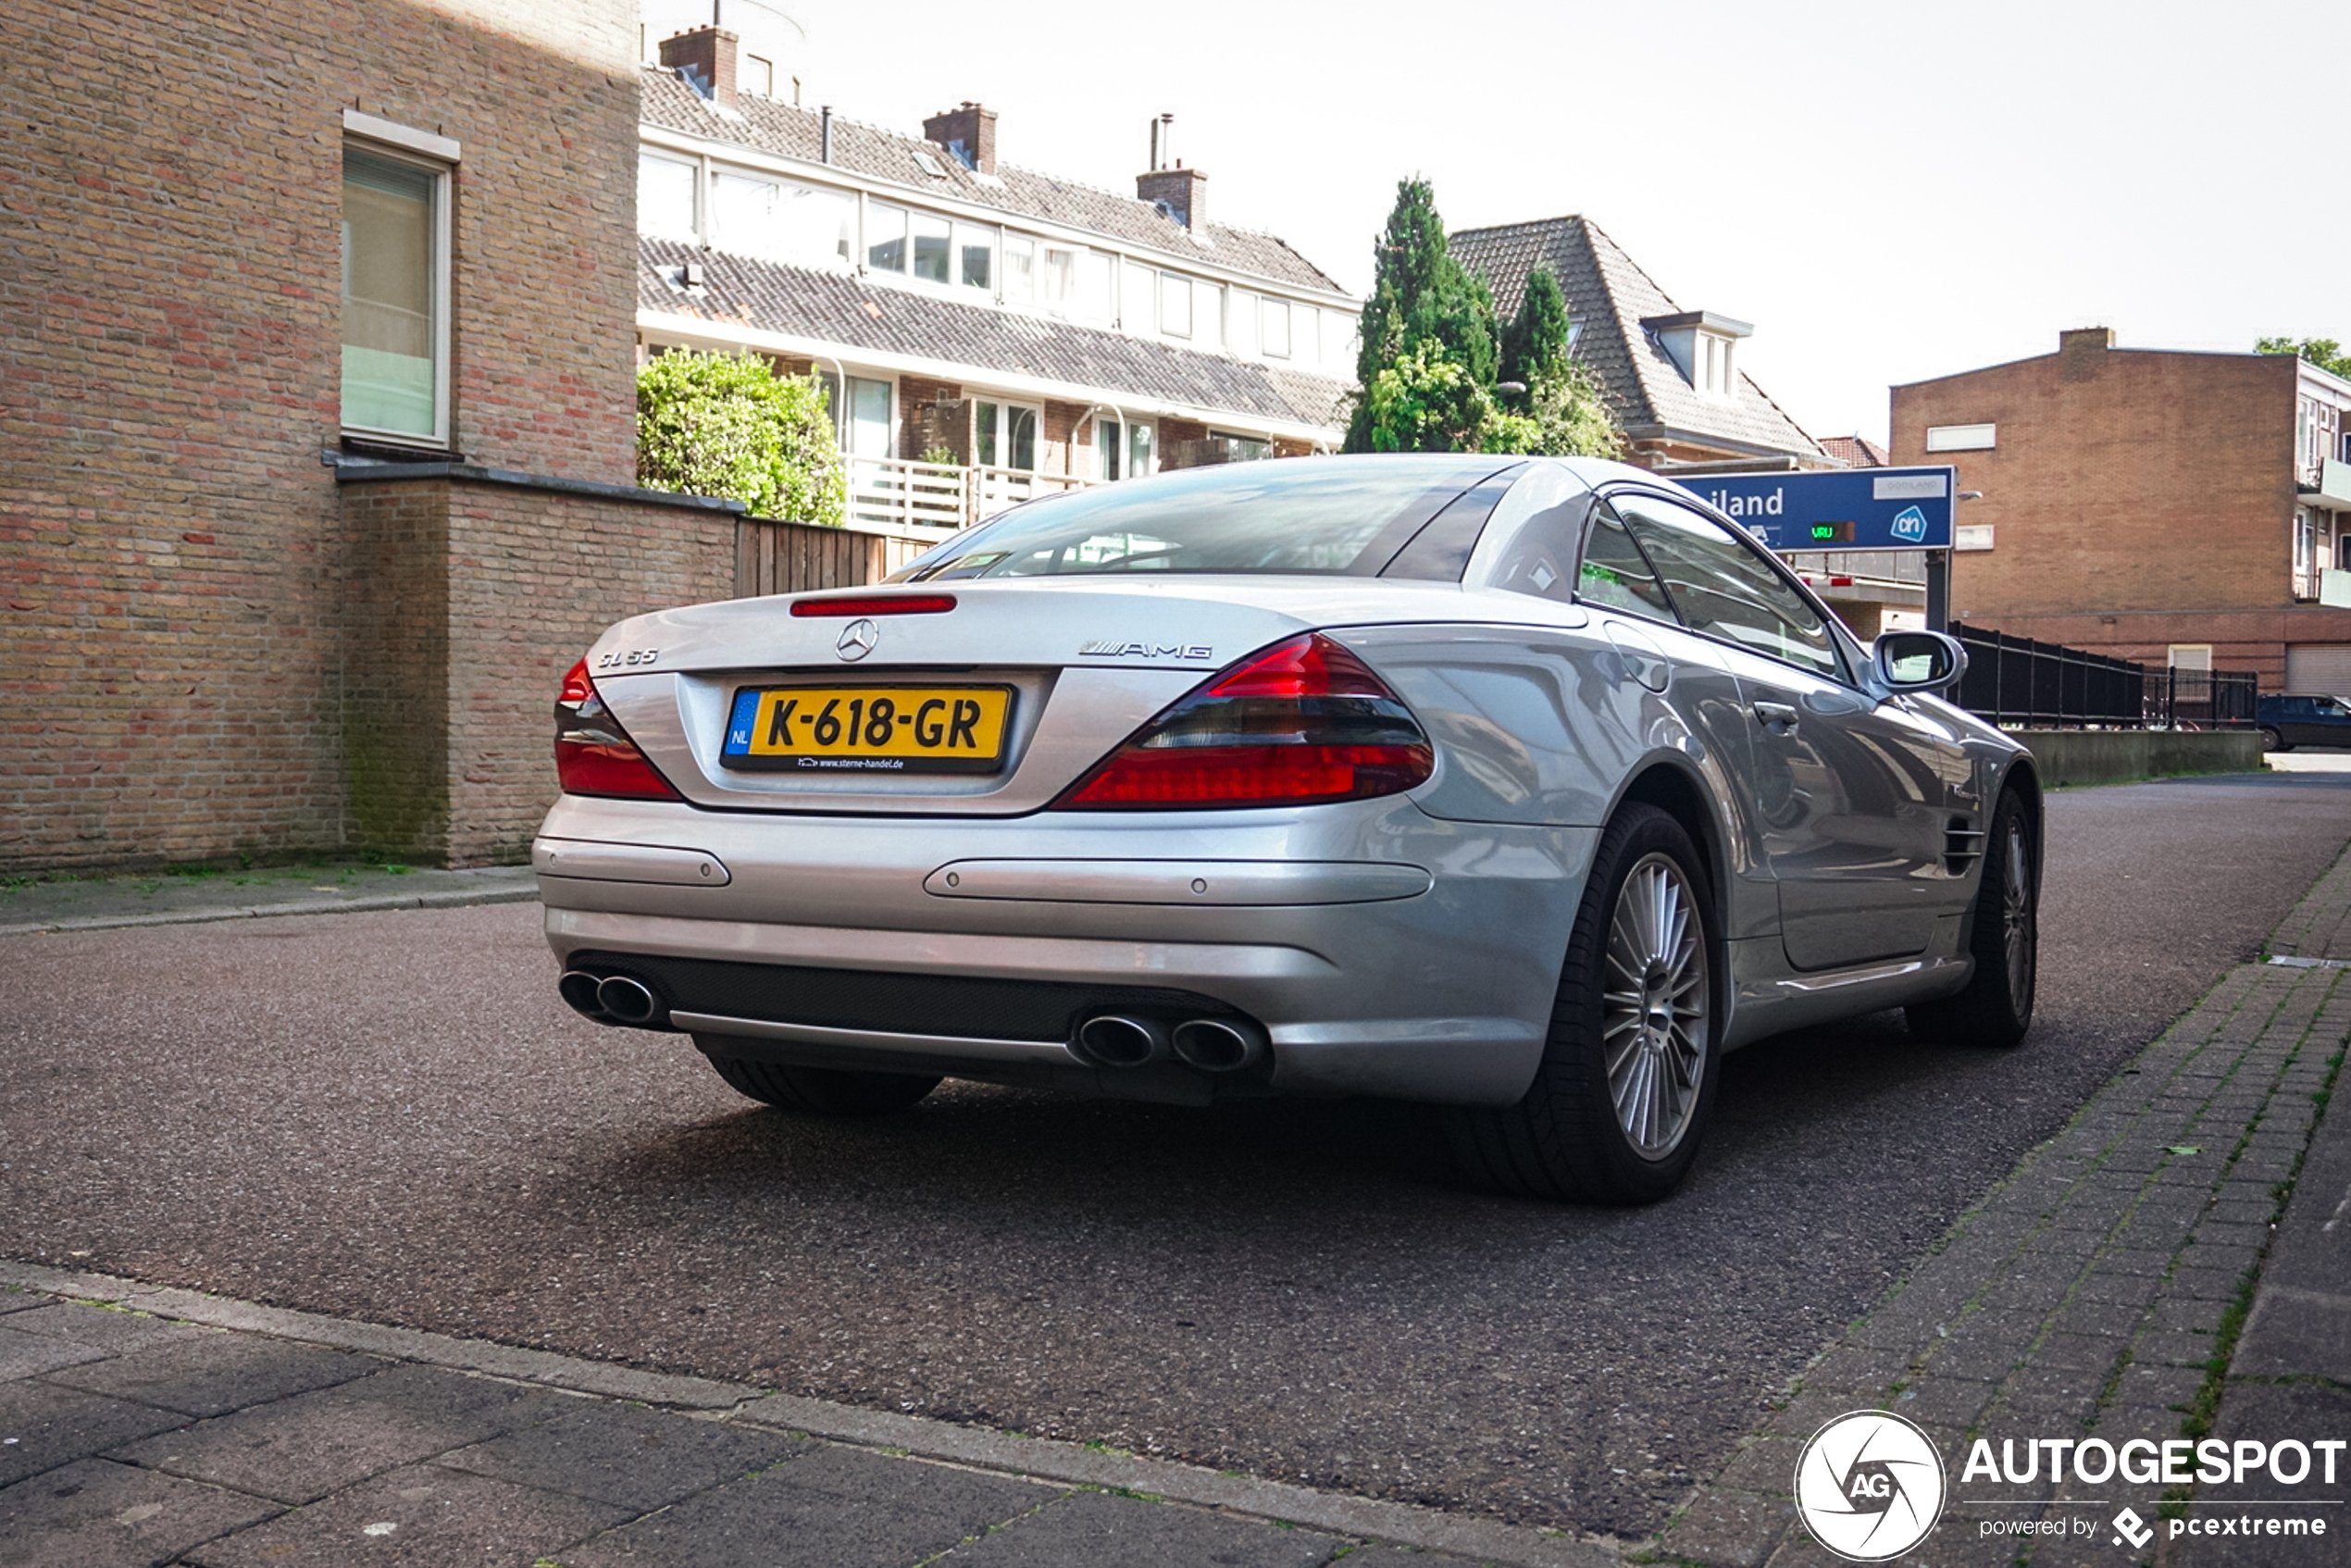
point(1432, 355)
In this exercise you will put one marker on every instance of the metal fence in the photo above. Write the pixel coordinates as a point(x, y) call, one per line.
point(2024, 684)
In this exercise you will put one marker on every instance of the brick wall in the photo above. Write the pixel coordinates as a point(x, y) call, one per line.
point(2123, 480)
point(170, 316)
point(2137, 499)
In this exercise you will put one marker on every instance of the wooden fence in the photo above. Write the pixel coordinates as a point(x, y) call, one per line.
point(773, 557)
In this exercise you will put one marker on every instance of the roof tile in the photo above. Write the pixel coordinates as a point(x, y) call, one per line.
point(769, 296)
point(1607, 295)
point(790, 131)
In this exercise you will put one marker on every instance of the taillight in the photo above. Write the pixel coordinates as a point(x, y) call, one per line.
point(1302, 722)
point(877, 604)
point(593, 754)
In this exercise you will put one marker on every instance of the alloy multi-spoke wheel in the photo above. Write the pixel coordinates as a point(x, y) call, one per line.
point(1620, 1102)
point(2003, 937)
point(2017, 907)
point(1653, 1010)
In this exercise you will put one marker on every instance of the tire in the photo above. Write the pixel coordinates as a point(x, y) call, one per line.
point(1565, 1138)
point(2004, 938)
point(823, 1091)
point(2272, 740)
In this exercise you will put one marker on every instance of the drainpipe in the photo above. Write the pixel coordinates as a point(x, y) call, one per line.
point(825, 135)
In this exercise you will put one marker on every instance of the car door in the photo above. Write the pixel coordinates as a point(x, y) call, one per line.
point(1856, 797)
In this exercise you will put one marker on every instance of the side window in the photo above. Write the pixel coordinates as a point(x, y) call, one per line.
point(1612, 574)
point(1723, 587)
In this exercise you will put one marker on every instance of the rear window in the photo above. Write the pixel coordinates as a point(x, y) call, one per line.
point(1319, 515)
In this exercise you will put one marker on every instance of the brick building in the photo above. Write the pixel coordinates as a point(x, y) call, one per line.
point(2177, 508)
point(319, 421)
point(1024, 331)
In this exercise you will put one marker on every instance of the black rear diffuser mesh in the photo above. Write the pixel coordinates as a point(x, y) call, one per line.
point(892, 1003)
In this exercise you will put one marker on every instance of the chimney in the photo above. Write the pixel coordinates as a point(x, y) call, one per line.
point(705, 58)
point(969, 133)
point(1180, 192)
point(2085, 340)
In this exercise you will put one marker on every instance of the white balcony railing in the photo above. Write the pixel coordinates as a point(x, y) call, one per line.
point(889, 493)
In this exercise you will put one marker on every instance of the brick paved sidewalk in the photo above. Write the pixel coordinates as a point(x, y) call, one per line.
point(2092, 1294)
point(153, 1426)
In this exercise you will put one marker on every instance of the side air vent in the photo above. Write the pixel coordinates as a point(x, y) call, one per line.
point(1962, 847)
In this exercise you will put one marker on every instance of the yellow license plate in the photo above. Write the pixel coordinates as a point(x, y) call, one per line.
point(869, 729)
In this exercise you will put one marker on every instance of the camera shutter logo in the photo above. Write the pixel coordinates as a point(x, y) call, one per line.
point(1869, 1486)
point(857, 639)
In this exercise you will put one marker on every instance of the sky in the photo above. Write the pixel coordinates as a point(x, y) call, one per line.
point(1889, 191)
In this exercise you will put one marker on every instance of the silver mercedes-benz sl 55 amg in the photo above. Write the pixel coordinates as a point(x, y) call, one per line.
point(1527, 787)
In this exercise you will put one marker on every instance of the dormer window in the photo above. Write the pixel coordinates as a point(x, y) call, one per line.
point(1702, 346)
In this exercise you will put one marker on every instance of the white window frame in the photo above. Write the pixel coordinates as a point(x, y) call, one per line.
point(1267, 305)
point(1169, 285)
point(700, 201)
point(367, 140)
point(1002, 435)
point(2193, 650)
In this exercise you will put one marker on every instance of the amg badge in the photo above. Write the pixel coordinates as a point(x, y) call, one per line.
point(1112, 649)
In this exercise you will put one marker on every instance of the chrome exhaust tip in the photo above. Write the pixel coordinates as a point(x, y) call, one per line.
point(579, 988)
point(1218, 1045)
point(1114, 1039)
point(626, 1000)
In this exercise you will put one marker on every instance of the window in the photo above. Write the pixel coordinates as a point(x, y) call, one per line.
point(1093, 286)
point(1339, 343)
point(1240, 313)
point(665, 197)
point(1208, 315)
point(2189, 655)
point(2304, 553)
point(1007, 435)
point(1274, 327)
point(976, 256)
point(1137, 297)
point(931, 245)
point(1723, 587)
point(1020, 270)
point(777, 220)
point(1613, 573)
point(1290, 517)
point(885, 237)
point(1305, 341)
point(396, 284)
point(1174, 304)
point(1120, 450)
point(1245, 449)
point(1061, 279)
point(868, 417)
point(1715, 359)
point(1960, 437)
point(756, 75)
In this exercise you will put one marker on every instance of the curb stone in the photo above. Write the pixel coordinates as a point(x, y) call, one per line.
point(271, 911)
point(919, 1437)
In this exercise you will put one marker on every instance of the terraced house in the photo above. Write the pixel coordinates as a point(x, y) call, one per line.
point(991, 332)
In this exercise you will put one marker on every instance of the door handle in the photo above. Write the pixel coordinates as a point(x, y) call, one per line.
point(1777, 718)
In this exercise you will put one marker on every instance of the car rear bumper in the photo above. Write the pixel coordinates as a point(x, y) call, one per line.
point(1382, 951)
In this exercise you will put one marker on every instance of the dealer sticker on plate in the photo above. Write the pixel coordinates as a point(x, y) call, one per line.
point(869, 729)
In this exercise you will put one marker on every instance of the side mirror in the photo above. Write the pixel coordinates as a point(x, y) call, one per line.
point(1919, 661)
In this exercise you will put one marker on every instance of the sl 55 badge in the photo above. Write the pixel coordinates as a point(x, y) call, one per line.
point(1110, 648)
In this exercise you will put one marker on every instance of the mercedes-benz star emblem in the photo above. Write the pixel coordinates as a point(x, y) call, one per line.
point(857, 639)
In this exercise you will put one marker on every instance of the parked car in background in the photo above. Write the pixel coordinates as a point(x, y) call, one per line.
point(1527, 787)
point(2297, 720)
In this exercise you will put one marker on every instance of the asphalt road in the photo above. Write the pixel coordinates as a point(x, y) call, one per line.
point(390, 1116)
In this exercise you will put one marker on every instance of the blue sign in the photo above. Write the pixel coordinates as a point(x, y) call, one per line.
point(1842, 509)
